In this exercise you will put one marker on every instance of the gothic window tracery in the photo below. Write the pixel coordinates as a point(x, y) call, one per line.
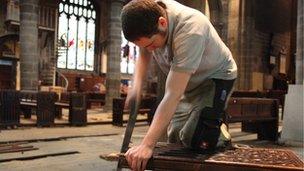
point(76, 35)
point(129, 54)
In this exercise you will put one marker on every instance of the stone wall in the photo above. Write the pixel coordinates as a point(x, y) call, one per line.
point(252, 41)
point(262, 45)
point(2, 17)
point(281, 46)
point(243, 48)
point(233, 29)
point(300, 43)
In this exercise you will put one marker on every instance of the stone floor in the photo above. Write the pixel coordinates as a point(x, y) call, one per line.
point(94, 117)
point(88, 143)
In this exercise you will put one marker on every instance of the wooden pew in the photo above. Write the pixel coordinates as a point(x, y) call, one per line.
point(274, 94)
point(147, 106)
point(78, 109)
point(46, 108)
point(261, 114)
point(93, 97)
point(28, 102)
point(248, 93)
point(9, 108)
point(277, 94)
point(77, 105)
point(62, 103)
point(42, 102)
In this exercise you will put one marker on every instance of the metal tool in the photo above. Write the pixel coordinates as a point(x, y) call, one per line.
point(134, 107)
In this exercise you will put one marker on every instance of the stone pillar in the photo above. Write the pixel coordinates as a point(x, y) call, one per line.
point(114, 51)
point(196, 4)
point(300, 44)
point(224, 20)
point(245, 47)
point(216, 15)
point(29, 44)
point(233, 21)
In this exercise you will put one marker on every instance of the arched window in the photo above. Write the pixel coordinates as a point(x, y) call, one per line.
point(76, 35)
point(129, 54)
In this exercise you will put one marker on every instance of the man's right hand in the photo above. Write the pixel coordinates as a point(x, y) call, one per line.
point(138, 156)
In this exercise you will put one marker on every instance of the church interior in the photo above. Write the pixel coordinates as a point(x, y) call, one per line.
point(65, 71)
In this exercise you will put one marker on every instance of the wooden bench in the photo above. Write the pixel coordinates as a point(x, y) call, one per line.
point(76, 103)
point(259, 115)
point(42, 102)
point(9, 108)
point(279, 95)
point(62, 103)
point(274, 94)
point(78, 109)
point(147, 106)
point(46, 108)
point(93, 97)
point(28, 102)
point(248, 93)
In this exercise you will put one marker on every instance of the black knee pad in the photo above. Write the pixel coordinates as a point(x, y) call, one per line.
point(207, 131)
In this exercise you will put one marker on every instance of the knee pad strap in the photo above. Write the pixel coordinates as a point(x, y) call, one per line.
point(207, 130)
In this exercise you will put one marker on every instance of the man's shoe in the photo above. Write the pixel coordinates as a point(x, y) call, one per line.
point(224, 140)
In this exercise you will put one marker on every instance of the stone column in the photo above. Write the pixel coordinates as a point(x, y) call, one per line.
point(114, 51)
point(233, 32)
point(216, 15)
point(224, 20)
point(300, 44)
point(196, 4)
point(245, 45)
point(29, 44)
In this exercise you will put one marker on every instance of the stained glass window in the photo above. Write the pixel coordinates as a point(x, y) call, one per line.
point(76, 35)
point(129, 54)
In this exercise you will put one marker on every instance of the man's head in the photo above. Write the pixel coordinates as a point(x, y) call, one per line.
point(144, 22)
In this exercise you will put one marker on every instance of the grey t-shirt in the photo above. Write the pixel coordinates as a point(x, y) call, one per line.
point(194, 46)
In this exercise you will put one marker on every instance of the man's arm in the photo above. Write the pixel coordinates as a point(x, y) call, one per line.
point(175, 86)
point(140, 73)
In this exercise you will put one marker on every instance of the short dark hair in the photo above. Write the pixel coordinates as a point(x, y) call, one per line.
point(139, 18)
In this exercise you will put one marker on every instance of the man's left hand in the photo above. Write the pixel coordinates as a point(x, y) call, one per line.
point(138, 157)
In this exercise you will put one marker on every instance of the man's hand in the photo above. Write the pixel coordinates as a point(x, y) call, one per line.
point(138, 157)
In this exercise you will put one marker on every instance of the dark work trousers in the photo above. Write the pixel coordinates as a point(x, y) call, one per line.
point(211, 94)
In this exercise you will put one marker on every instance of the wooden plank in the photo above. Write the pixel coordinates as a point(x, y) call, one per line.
point(57, 138)
point(12, 144)
point(19, 149)
point(33, 104)
point(177, 158)
point(61, 104)
point(39, 156)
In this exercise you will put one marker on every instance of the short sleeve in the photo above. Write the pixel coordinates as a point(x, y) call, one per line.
point(187, 50)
